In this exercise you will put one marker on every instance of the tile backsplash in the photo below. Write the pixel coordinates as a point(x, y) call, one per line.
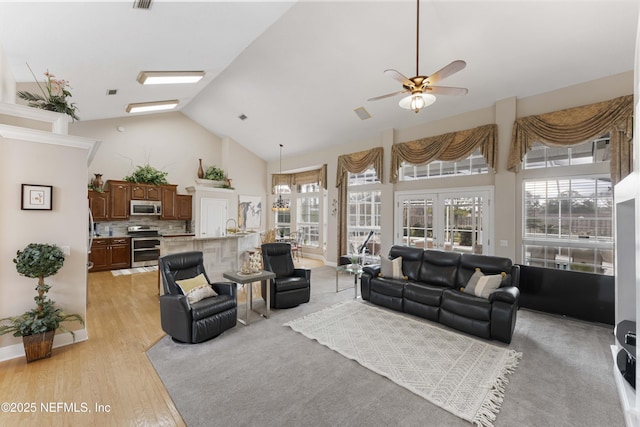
point(119, 228)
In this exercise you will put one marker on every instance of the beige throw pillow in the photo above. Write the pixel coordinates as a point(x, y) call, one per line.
point(196, 288)
point(391, 268)
point(481, 285)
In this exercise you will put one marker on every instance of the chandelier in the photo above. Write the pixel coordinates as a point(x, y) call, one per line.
point(280, 205)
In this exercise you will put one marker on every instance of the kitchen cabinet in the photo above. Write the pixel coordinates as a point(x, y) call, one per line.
point(119, 200)
point(168, 197)
point(184, 207)
point(145, 192)
point(110, 253)
point(99, 205)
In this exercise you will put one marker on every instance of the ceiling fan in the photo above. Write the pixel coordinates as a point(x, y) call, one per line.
point(421, 87)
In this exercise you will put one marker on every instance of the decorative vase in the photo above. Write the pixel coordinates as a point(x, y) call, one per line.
point(38, 346)
point(200, 170)
point(97, 181)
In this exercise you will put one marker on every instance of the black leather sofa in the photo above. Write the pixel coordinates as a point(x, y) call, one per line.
point(431, 290)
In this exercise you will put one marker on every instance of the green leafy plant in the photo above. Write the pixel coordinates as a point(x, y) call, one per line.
point(147, 175)
point(214, 173)
point(39, 260)
point(54, 96)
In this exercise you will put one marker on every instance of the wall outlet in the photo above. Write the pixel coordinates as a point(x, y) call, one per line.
point(66, 250)
point(504, 243)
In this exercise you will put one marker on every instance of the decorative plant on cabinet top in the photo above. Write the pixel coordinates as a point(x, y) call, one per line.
point(148, 175)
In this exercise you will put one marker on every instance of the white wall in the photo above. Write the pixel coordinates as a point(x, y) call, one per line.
point(65, 168)
point(503, 113)
point(7, 81)
point(173, 143)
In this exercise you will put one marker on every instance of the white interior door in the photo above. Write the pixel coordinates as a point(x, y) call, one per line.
point(213, 217)
point(447, 219)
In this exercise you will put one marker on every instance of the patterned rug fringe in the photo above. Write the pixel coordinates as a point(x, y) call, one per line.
point(486, 416)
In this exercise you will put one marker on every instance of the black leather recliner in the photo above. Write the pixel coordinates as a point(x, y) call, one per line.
point(200, 321)
point(291, 286)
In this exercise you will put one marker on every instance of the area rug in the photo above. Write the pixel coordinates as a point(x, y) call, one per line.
point(127, 271)
point(462, 375)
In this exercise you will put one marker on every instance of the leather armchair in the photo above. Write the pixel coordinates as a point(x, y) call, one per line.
point(291, 286)
point(200, 321)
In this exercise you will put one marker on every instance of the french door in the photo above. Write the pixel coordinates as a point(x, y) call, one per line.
point(447, 219)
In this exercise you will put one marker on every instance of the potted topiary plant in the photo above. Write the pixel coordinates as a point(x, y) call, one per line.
point(37, 326)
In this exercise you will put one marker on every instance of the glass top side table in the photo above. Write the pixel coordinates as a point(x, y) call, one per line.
point(355, 269)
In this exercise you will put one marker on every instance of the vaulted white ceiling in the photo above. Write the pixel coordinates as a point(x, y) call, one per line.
point(297, 70)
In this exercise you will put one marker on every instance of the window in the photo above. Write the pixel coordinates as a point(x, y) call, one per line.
point(541, 156)
point(308, 218)
point(568, 223)
point(283, 218)
point(472, 165)
point(367, 177)
point(450, 219)
point(363, 213)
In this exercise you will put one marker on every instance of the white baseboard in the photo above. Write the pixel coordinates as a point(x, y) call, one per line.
point(17, 350)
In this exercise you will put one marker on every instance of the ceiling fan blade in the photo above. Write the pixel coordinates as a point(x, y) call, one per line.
point(387, 95)
point(396, 75)
point(445, 90)
point(446, 71)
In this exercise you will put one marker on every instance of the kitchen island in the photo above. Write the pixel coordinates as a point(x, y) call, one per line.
point(223, 253)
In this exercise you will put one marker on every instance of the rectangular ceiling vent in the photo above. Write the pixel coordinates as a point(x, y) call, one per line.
point(112, 92)
point(142, 4)
point(362, 113)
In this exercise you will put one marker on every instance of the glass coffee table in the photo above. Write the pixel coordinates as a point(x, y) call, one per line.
point(355, 269)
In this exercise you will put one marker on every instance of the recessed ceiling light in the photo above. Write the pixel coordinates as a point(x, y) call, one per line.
point(169, 77)
point(143, 107)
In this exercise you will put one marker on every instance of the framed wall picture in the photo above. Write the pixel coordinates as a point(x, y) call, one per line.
point(250, 212)
point(37, 197)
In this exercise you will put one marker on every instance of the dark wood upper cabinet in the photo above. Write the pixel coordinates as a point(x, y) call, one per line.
point(99, 205)
point(120, 196)
point(184, 206)
point(145, 192)
point(169, 206)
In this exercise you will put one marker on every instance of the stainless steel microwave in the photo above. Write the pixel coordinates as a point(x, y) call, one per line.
point(145, 207)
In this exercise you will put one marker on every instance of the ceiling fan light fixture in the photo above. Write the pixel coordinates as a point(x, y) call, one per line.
point(417, 101)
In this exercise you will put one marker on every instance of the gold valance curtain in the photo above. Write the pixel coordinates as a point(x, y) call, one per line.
point(358, 163)
point(311, 177)
point(353, 163)
point(300, 178)
point(577, 125)
point(447, 147)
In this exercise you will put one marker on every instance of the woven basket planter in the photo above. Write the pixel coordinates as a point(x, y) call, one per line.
point(38, 346)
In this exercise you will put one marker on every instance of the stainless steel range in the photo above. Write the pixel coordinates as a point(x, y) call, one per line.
point(145, 245)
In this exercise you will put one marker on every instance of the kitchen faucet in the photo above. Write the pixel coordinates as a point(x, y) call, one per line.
point(226, 225)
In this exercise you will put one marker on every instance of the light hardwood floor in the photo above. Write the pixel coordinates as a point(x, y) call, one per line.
point(108, 375)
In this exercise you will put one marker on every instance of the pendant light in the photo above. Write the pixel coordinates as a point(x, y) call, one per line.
point(280, 205)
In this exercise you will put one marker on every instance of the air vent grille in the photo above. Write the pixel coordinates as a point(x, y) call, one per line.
point(362, 113)
point(142, 4)
point(112, 92)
